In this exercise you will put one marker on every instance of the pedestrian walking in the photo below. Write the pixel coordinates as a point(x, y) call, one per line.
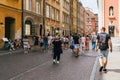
point(93, 40)
point(49, 40)
point(86, 42)
point(76, 44)
point(66, 42)
point(26, 45)
point(57, 49)
point(83, 43)
point(36, 40)
point(45, 42)
point(103, 43)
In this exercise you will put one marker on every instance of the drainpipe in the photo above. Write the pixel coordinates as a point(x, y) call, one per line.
point(44, 15)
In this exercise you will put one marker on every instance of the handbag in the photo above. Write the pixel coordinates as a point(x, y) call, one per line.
point(72, 46)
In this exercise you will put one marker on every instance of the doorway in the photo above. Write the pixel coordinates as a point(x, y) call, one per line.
point(10, 28)
point(111, 31)
point(41, 27)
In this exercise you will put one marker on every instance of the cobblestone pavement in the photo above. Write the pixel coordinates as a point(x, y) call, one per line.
point(38, 66)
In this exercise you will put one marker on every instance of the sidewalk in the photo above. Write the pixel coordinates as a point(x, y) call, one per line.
point(20, 50)
point(113, 67)
point(4, 51)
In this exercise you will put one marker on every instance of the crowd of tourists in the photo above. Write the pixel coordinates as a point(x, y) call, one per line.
point(77, 43)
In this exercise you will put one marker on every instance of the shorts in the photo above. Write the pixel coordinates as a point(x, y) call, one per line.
point(76, 46)
point(45, 44)
point(103, 54)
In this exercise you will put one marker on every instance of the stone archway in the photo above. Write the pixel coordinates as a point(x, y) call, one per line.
point(10, 28)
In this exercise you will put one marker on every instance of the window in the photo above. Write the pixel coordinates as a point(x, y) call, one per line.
point(57, 15)
point(47, 11)
point(29, 5)
point(87, 14)
point(111, 11)
point(66, 5)
point(57, 0)
point(27, 29)
point(52, 13)
point(37, 7)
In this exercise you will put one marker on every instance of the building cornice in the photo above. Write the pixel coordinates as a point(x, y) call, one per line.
point(10, 8)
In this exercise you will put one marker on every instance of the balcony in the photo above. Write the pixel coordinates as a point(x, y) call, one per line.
point(111, 17)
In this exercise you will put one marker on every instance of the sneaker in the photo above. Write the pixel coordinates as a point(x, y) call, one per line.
point(77, 55)
point(105, 70)
point(54, 61)
point(58, 62)
point(101, 68)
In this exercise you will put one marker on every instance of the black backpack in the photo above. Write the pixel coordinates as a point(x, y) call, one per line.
point(103, 42)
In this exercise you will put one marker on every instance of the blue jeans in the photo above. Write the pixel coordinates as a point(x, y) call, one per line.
point(93, 45)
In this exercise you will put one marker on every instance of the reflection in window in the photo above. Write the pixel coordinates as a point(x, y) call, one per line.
point(111, 11)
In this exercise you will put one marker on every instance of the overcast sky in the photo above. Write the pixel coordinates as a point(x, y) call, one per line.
point(92, 4)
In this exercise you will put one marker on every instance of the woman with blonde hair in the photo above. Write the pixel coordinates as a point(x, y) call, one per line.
point(57, 49)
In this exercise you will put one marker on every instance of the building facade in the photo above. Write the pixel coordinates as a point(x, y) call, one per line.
point(33, 17)
point(74, 28)
point(109, 16)
point(10, 21)
point(65, 17)
point(78, 17)
point(82, 21)
point(95, 23)
point(71, 17)
point(90, 20)
point(52, 17)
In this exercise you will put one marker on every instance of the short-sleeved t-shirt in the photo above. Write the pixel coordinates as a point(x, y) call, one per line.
point(107, 38)
point(76, 39)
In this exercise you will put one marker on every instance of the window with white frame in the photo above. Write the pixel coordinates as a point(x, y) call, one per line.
point(37, 7)
point(27, 29)
point(47, 11)
point(52, 13)
point(111, 11)
point(29, 5)
point(57, 15)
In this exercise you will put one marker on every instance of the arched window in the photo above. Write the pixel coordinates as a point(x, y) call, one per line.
point(29, 5)
point(37, 7)
point(111, 11)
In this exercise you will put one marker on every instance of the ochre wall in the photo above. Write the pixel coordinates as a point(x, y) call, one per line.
point(9, 12)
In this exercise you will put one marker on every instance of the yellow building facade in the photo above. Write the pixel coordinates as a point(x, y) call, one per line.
point(74, 28)
point(10, 21)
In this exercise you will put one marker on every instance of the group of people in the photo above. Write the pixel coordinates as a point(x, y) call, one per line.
point(13, 44)
point(100, 42)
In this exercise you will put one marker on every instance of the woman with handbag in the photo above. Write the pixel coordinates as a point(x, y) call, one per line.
point(57, 49)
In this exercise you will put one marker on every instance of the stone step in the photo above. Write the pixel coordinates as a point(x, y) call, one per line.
point(116, 43)
point(116, 40)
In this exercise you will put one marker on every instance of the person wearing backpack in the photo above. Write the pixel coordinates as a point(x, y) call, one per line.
point(103, 45)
